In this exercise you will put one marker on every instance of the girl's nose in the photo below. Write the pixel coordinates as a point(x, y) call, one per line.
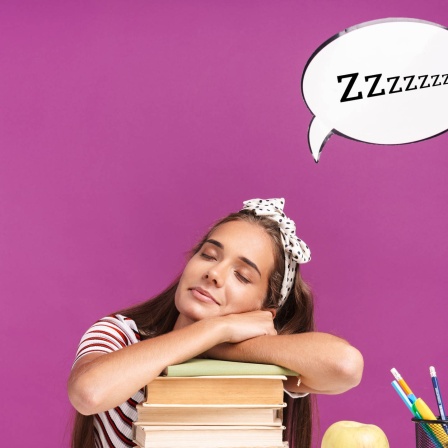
point(215, 276)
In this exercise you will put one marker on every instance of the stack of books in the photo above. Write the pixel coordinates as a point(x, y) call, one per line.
point(213, 404)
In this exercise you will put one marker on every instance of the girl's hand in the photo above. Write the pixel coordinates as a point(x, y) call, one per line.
point(240, 327)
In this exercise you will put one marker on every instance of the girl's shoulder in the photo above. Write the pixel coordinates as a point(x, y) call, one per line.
point(107, 335)
point(121, 323)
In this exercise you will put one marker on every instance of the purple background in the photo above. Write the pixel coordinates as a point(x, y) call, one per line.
point(126, 128)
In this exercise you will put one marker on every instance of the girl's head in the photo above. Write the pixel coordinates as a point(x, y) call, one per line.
point(239, 265)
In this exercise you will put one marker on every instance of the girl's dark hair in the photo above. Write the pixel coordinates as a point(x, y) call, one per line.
point(158, 316)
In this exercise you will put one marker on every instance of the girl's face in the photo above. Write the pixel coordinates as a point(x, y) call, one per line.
point(228, 275)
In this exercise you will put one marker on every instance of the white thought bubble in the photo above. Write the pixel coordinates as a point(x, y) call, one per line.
point(383, 82)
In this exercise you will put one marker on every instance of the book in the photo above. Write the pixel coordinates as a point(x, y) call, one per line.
point(285, 445)
point(216, 367)
point(213, 404)
point(207, 436)
point(177, 414)
point(254, 389)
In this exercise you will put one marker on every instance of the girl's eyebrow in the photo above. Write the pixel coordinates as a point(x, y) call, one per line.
point(216, 243)
point(244, 259)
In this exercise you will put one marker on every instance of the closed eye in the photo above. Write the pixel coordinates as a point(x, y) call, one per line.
point(241, 278)
point(207, 257)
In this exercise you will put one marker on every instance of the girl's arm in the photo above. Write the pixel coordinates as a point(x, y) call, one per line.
point(99, 381)
point(326, 363)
